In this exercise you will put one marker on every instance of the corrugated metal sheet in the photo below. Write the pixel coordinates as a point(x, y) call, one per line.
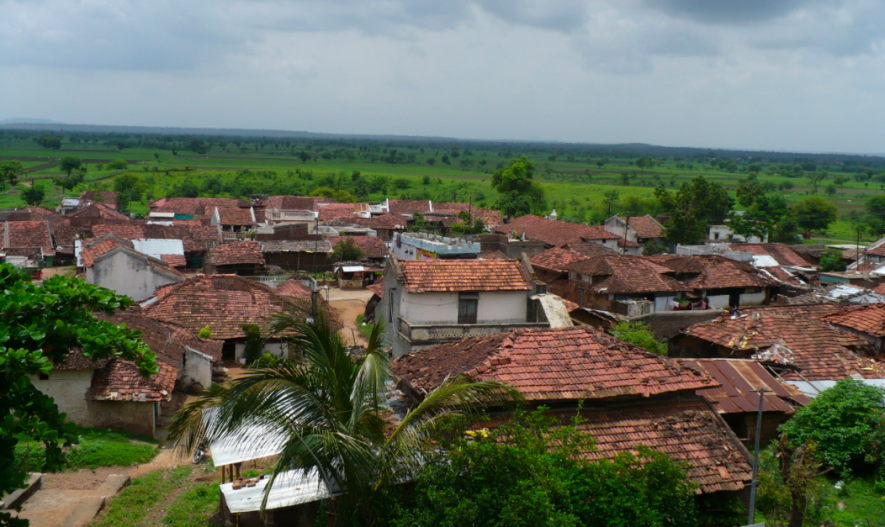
point(739, 379)
point(293, 487)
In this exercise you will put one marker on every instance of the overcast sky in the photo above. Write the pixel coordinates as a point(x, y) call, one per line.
point(803, 75)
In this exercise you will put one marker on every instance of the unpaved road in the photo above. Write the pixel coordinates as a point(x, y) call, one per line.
point(350, 303)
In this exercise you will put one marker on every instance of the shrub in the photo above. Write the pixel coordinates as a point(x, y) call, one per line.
point(639, 333)
point(266, 360)
point(117, 164)
point(205, 333)
point(846, 422)
point(254, 343)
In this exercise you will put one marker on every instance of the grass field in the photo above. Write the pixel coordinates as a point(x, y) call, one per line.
point(97, 448)
point(573, 188)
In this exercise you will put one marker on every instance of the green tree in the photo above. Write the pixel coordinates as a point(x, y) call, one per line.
point(129, 187)
point(50, 142)
point(331, 410)
point(41, 325)
point(846, 422)
point(69, 181)
point(653, 247)
point(639, 333)
point(518, 193)
point(117, 164)
point(347, 251)
point(254, 343)
point(610, 198)
point(198, 146)
point(693, 208)
point(814, 213)
point(70, 163)
point(815, 179)
point(10, 172)
point(875, 206)
point(831, 261)
point(32, 195)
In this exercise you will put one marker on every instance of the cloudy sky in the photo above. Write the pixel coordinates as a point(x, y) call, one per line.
point(765, 74)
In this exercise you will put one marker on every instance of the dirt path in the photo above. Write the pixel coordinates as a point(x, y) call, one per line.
point(350, 303)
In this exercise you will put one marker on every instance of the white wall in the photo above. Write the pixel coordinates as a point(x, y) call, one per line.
point(662, 302)
point(718, 301)
point(752, 299)
point(275, 347)
point(127, 275)
point(442, 308)
point(68, 388)
point(197, 368)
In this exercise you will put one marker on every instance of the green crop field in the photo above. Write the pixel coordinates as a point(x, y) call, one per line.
point(574, 182)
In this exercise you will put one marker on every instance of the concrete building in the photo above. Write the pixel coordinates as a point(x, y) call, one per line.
point(421, 246)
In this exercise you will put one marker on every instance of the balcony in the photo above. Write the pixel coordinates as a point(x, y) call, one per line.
point(427, 334)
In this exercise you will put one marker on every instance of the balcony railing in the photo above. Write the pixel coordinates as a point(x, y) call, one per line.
point(427, 333)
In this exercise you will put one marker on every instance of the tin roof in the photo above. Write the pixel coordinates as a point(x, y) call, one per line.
point(738, 380)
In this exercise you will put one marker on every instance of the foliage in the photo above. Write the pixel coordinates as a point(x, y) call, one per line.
point(846, 422)
point(130, 507)
point(693, 208)
point(254, 343)
point(347, 251)
point(790, 493)
point(639, 333)
point(205, 333)
point(129, 187)
point(50, 142)
point(518, 193)
point(531, 472)
point(70, 163)
point(68, 181)
point(329, 408)
point(266, 360)
point(96, 448)
point(33, 195)
point(117, 164)
point(42, 323)
point(341, 196)
point(814, 213)
point(10, 172)
point(831, 261)
point(654, 246)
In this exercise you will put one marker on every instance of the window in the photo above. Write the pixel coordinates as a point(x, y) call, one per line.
point(467, 304)
point(581, 294)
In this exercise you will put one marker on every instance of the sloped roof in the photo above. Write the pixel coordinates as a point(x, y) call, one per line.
point(781, 252)
point(490, 217)
point(738, 379)
point(99, 210)
point(174, 260)
point(384, 221)
point(27, 234)
point(820, 351)
point(552, 364)
point(716, 272)
point(465, 275)
point(557, 259)
point(63, 234)
point(221, 302)
point(372, 246)
point(42, 213)
point(553, 232)
point(194, 237)
point(295, 246)
point(166, 339)
point(293, 202)
point(644, 226)
point(334, 211)
point(120, 380)
point(590, 248)
point(377, 289)
point(291, 288)
point(865, 319)
point(236, 253)
point(195, 206)
point(627, 274)
point(97, 247)
point(408, 206)
point(108, 197)
point(237, 217)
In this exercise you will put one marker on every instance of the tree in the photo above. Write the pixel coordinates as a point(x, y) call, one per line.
point(50, 142)
point(10, 172)
point(519, 194)
point(814, 213)
point(846, 422)
point(70, 163)
point(815, 179)
point(69, 181)
point(129, 187)
point(639, 333)
point(330, 410)
point(693, 208)
point(32, 195)
point(117, 164)
point(198, 146)
point(831, 261)
point(431, 161)
point(347, 251)
point(41, 325)
point(610, 198)
point(254, 344)
point(653, 247)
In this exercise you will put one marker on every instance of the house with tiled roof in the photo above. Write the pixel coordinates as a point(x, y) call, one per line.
point(434, 301)
point(195, 208)
point(810, 354)
point(108, 197)
point(637, 229)
point(373, 247)
point(241, 258)
point(385, 225)
point(409, 206)
point(292, 203)
point(551, 266)
point(26, 241)
point(234, 220)
point(197, 240)
point(867, 322)
point(557, 233)
point(625, 395)
point(490, 217)
point(113, 263)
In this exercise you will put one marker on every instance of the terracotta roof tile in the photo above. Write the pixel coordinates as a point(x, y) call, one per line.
point(96, 248)
point(554, 232)
point(236, 253)
point(384, 221)
point(645, 226)
point(372, 246)
point(552, 365)
point(590, 248)
point(120, 380)
point(781, 252)
point(27, 234)
point(293, 202)
point(490, 217)
point(334, 211)
point(196, 238)
point(75, 360)
point(492, 255)
point(236, 217)
point(99, 210)
point(865, 319)
point(409, 206)
point(465, 275)
point(627, 274)
point(174, 260)
point(291, 288)
point(196, 207)
point(820, 351)
point(108, 197)
point(557, 259)
point(377, 289)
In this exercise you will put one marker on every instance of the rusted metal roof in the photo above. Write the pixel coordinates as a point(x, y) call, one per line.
point(738, 380)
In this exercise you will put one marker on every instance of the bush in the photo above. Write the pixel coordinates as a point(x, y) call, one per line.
point(846, 422)
point(97, 448)
point(205, 333)
point(267, 360)
point(254, 343)
point(639, 333)
point(117, 164)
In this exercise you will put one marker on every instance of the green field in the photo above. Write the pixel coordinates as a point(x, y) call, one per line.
point(573, 182)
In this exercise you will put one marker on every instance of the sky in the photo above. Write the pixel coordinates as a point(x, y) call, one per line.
point(788, 75)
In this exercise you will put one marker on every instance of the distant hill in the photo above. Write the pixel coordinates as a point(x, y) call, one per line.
point(26, 120)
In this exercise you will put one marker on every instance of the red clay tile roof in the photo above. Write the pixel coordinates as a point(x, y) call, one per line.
point(490, 217)
point(120, 380)
point(195, 238)
point(174, 260)
point(465, 275)
point(293, 202)
point(554, 232)
point(781, 252)
point(129, 232)
point(865, 319)
point(384, 221)
point(63, 234)
point(75, 360)
point(221, 302)
point(645, 226)
point(738, 380)
point(42, 213)
point(492, 255)
point(590, 248)
point(27, 234)
point(820, 351)
point(716, 272)
point(409, 206)
point(372, 246)
point(96, 248)
point(557, 259)
point(377, 289)
point(291, 288)
point(195, 206)
point(627, 274)
point(809, 311)
point(236, 217)
point(166, 340)
point(879, 289)
point(552, 365)
point(236, 253)
point(108, 197)
point(685, 430)
point(99, 210)
point(334, 211)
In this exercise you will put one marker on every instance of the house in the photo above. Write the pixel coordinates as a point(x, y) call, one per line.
point(637, 229)
point(97, 213)
point(737, 399)
point(241, 258)
point(429, 302)
point(113, 263)
point(422, 246)
point(385, 225)
point(195, 208)
point(490, 217)
point(377, 294)
point(26, 241)
point(298, 255)
point(551, 266)
point(637, 285)
point(374, 249)
point(291, 203)
point(806, 352)
point(409, 206)
point(234, 220)
point(776, 260)
point(724, 233)
point(509, 246)
point(196, 239)
point(222, 303)
point(556, 233)
point(866, 322)
point(625, 395)
point(335, 211)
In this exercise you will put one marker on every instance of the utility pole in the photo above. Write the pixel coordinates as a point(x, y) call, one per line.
point(752, 516)
point(626, 228)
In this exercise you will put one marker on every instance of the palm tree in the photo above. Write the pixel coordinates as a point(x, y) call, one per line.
point(330, 409)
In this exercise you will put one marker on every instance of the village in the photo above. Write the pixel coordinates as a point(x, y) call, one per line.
point(745, 333)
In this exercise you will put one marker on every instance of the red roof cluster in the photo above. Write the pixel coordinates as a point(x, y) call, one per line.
point(26, 235)
point(196, 207)
point(195, 238)
point(738, 380)
point(372, 246)
point(383, 222)
point(99, 210)
point(95, 248)
point(552, 365)
point(554, 232)
point(334, 211)
point(490, 217)
point(236, 254)
point(409, 206)
point(781, 252)
point(293, 202)
point(291, 287)
point(864, 319)
point(644, 226)
point(557, 259)
point(236, 217)
point(465, 275)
